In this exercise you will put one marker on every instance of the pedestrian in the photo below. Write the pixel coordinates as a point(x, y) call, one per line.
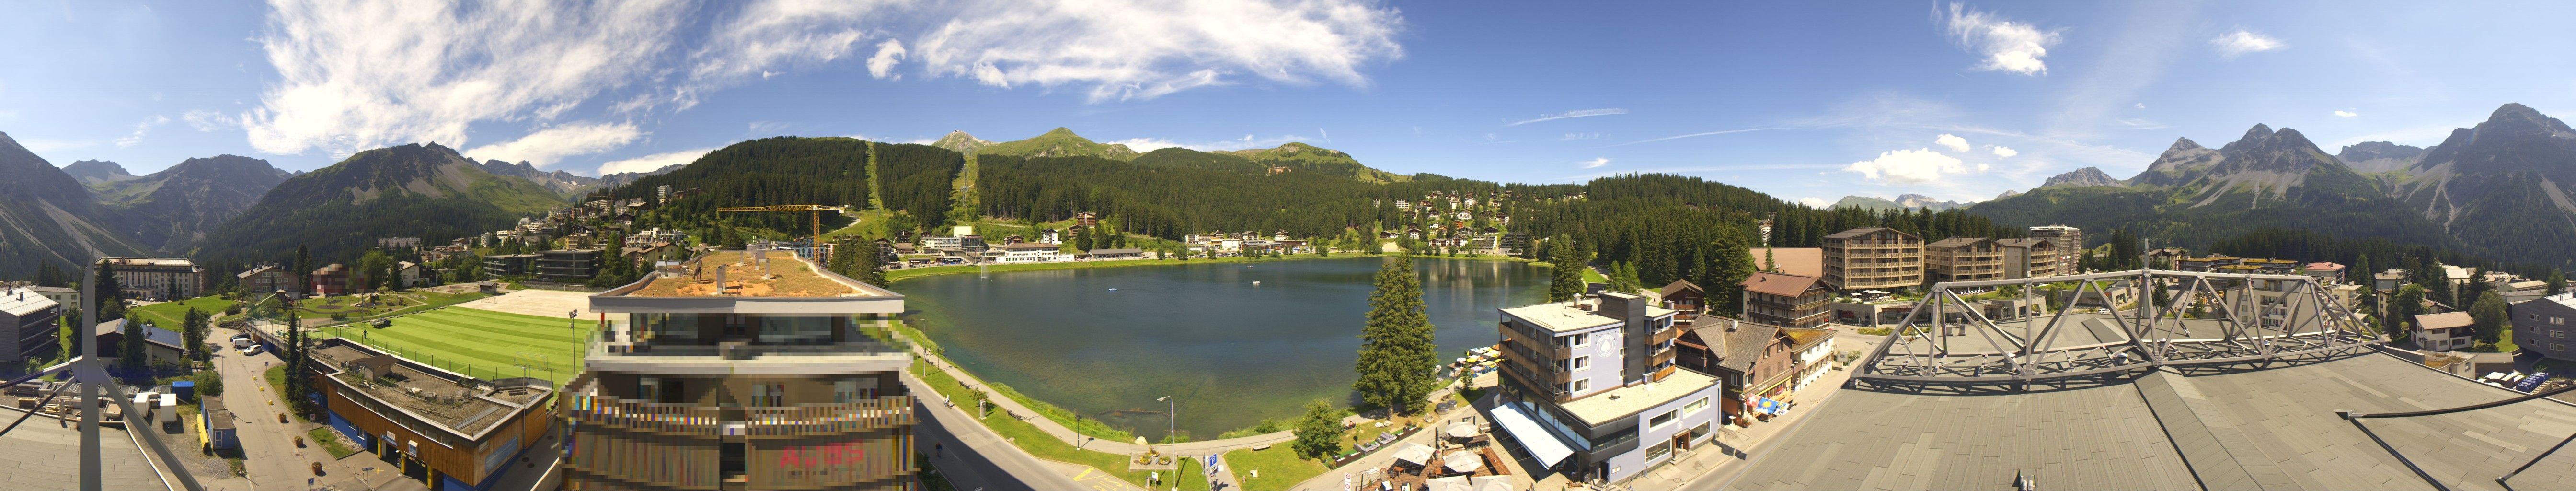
point(936, 449)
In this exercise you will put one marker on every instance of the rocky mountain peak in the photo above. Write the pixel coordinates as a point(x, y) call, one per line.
point(2257, 132)
point(98, 171)
point(2515, 116)
point(959, 141)
point(2088, 176)
point(2183, 145)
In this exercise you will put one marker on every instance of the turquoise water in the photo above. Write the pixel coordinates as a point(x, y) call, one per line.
point(1233, 352)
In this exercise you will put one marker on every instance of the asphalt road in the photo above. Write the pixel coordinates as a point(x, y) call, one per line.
point(974, 458)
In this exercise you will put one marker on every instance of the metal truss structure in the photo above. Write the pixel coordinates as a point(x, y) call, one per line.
point(2216, 321)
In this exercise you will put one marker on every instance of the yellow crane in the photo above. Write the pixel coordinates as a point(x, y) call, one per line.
point(815, 210)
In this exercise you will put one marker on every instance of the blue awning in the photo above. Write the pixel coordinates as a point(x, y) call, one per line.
point(1537, 440)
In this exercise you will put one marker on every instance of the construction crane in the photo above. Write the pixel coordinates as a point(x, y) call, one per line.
point(815, 210)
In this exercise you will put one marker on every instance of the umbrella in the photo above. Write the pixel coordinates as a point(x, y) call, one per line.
point(1451, 483)
point(1460, 430)
point(1416, 454)
point(1493, 483)
point(1462, 462)
point(1140, 441)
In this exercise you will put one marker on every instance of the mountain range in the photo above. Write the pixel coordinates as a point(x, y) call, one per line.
point(415, 190)
point(2498, 190)
point(1902, 202)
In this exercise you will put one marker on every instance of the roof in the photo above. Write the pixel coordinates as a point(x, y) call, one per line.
point(1956, 242)
point(24, 301)
point(429, 395)
point(2023, 243)
point(154, 335)
point(1858, 232)
point(1566, 317)
point(2236, 429)
point(256, 271)
point(2443, 320)
point(1131, 250)
point(1744, 341)
point(2322, 266)
point(1786, 285)
point(783, 276)
point(1801, 261)
point(1610, 405)
point(149, 261)
point(1677, 286)
point(1030, 246)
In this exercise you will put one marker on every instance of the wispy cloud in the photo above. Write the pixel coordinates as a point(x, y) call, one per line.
point(654, 161)
point(2239, 42)
point(1570, 114)
point(882, 64)
point(1579, 136)
point(1594, 163)
point(1139, 49)
point(2006, 45)
point(140, 129)
point(549, 146)
point(1700, 134)
point(2346, 114)
point(204, 120)
point(2142, 124)
point(1815, 202)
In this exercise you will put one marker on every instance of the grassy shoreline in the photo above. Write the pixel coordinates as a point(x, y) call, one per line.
point(901, 274)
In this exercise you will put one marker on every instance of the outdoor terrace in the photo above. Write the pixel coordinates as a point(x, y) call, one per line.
point(744, 274)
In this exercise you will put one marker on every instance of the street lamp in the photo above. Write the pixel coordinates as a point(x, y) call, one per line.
point(1171, 417)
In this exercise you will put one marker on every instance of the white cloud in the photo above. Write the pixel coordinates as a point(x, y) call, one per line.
point(2142, 105)
point(2240, 42)
point(1570, 114)
point(1952, 142)
point(1815, 202)
point(1705, 133)
point(204, 120)
point(652, 162)
point(1141, 49)
point(2346, 114)
point(1247, 141)
point(357, 75)
point(549, 146)
point(42, 145)
point(2004, 151)
point(1908, 166)
point(140, 129)
point(1594, 163)
point(775, 33)
point(2006, 45)
point(888, 53)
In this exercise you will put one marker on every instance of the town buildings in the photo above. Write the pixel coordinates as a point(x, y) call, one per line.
point(219, 432)
point(1589, 387)
point(2069, 245)
point(2442, 332)
point(29, 322)
point(445, 430)
point(568, 265)
point(1873, 258)
point(1761, 366)
point(1786, 300)
point(1964, 259)
point(332, 280)
point(2030, 258)
point(1686, 299)
point(2545, 326)
point(398, 243)
point(412, 274)
point(2327, 272)
point(2388, 280)
point(498, 266)
point(741, 370)
point(2522, 291)
point(1031, 252)
point(151, 278)
point(268, 279)
point(165, 347)
point(1114, 254)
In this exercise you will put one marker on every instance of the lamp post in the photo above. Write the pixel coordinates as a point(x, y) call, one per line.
point(1171, 417)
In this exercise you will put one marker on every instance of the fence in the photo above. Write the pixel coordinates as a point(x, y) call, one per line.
point(545, 367)
point(567, 287)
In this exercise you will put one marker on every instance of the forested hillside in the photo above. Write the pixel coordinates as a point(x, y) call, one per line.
point(425, 191)
point(796, 171)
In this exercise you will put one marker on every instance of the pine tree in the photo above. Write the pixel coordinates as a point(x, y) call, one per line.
point(110, 301)
point(1623, 277)
point(1565, 276)
point(1397, 356)
point(193, 328)
point(2557, 282)
point(867, 263)
point(130, 357)
point(1729, 263)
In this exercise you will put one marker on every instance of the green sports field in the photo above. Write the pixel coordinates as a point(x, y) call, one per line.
point(482, 343)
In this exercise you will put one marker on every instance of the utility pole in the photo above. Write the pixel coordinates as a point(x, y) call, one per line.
point(91, 473)
point(1172, 418)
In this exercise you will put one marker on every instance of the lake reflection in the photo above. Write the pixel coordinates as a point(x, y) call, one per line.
point(1233, 351)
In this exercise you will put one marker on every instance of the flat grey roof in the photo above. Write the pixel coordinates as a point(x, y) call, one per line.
point(2260, 429)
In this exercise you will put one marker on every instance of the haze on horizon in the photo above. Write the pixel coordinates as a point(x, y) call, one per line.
point(1958, 101)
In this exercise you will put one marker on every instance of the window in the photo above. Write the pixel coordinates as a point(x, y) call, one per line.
point(849, 391)
point(1582, 362)
point(1659, 451)
point(1578, 386)
point(769, 394)
point(2558, 334)
point(1695, 406)
point(2555, 320)
point(1663, 419)
point(648, 389)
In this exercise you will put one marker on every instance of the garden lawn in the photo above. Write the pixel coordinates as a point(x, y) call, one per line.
point(330, 442)
point(1280, 468)
point(481, 343)
point(167, 315)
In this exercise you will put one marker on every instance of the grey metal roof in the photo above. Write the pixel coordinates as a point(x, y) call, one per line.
point(2261, 429)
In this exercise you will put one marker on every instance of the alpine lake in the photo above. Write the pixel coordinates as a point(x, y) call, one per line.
point(1234, 343)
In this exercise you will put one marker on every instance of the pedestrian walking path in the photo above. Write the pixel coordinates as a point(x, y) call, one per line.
point(1078, 440)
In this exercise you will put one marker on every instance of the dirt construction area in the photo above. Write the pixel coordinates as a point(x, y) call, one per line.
point(542, 303)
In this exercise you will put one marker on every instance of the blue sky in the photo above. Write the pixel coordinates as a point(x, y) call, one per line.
point(1802, 101)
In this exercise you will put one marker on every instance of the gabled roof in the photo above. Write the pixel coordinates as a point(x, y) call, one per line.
point(2443, 320)
point(1786, 285)
point(1801, 261)
point(1677, 286)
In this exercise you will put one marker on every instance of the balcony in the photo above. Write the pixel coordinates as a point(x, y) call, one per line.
point(692, 419)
